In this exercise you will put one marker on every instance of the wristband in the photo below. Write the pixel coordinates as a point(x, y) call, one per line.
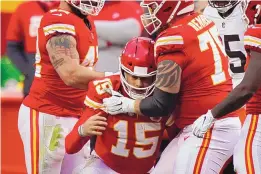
point(106, 74)
point(80, 131)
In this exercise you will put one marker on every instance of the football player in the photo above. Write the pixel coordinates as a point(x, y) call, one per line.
point(129, 145)
point(21, 37)
point(247, 151)
point(66, 51)
point(229, 17)
point(192, 76)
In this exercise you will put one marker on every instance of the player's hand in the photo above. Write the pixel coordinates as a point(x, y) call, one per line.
point(117, 104)
point(202, 124)
point(95, 125)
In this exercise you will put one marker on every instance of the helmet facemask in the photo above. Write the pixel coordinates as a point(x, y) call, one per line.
point(159, 14)
point(149, 20)
point(253, 13)
point(224, 5)
point(88, 7)
point(137, 92)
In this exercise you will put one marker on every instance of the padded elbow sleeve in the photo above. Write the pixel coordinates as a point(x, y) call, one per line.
point(161, 104)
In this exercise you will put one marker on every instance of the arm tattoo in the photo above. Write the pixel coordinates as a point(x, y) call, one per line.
point(57, 62)
point(61, 48)
point(63, 45)
point(168, 74)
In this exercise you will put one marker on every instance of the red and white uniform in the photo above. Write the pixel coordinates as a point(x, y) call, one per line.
point(248, 160)
point(51, 102)
point(205, 82)
point(49, 94)
point(130, 144)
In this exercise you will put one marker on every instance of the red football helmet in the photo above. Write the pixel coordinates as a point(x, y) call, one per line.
point(91, 7)
point(137, 59)
point(253, 12)
point(161, 12)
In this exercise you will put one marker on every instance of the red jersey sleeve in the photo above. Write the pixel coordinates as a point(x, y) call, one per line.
point(252, 39)
point(57, 22)
point(170, 46)
point(73, 141)
point(99, 89)
point(14, 32)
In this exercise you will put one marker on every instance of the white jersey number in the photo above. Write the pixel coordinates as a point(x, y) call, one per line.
point(141, 129)
point(38, 66)
point(211, 37)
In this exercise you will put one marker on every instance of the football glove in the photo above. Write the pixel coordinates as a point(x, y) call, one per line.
point(117, 104)
point(202, 124)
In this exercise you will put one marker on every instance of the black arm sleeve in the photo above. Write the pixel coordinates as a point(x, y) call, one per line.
point(15, 52)
point(161, 104)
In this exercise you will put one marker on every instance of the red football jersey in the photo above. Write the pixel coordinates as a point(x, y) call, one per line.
point(49, 93)
point(205, 79)
point(252, 41)
point(24, 24)
point(130, 144)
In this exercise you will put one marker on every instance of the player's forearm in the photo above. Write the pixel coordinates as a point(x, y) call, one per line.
point(74, 142)
point(235, 100)
point(244, 91)
point(82, 76)
point(160, 104)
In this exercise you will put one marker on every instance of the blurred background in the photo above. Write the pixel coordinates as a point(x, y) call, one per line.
point(118, 22)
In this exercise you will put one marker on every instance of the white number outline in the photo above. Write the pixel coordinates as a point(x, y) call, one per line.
point(211, 37)
point(102, 86)
point(141, 128)
point(38, 66)
point(34, 25)
point(91, 56)
point(120, 148)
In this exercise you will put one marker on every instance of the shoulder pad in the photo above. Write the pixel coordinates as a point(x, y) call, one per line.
point(252, 38)
point(169, 41)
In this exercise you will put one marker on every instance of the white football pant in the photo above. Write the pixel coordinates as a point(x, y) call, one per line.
point(93, 165)
point(188, 154)
point(43, 137)
point(247, 153)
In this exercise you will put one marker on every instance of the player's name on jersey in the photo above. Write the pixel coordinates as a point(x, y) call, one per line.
point(199, 22)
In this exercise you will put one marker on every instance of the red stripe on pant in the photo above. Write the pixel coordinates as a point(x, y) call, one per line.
point(202, 152)
point(249, 143)
point(34, 140)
